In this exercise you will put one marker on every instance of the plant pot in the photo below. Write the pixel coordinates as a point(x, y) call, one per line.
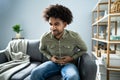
point(18, 35)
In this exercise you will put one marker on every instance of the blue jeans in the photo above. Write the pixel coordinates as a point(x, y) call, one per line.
point(68, 71)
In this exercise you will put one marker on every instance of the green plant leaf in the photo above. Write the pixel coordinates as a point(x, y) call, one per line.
point(16, 28)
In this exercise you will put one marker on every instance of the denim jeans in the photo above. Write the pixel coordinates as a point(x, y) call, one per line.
point(68, 71)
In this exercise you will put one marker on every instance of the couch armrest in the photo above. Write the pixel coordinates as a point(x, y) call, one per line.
point(87, 67)
point(3, 57)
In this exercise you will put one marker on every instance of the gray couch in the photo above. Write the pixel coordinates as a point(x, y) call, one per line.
point(85, 64)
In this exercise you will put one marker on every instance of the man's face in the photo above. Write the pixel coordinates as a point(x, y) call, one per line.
point(57, 26)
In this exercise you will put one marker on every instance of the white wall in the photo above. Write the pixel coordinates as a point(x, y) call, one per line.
point(28, 13)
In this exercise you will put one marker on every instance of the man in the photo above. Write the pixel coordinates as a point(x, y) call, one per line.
point(60, 46)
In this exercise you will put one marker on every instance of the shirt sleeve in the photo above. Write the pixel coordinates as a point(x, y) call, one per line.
point(81, 47)
point(43, 48)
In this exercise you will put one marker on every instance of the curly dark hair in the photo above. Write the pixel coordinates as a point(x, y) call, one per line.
point(58, 11)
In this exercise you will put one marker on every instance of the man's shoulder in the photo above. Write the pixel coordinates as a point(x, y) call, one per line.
point(72, 33)
point(46, 35)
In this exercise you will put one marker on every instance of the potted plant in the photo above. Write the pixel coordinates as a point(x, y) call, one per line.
point(17, 29)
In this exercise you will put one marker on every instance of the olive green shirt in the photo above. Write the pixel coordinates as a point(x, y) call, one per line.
point(70, 44)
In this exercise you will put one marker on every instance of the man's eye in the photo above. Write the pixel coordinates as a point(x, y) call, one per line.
point(56, 24)
point(50, 24)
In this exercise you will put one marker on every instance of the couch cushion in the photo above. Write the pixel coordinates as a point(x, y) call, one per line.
point(33, 50)
point(56, 77)
point(20, 75)
point(3, 57)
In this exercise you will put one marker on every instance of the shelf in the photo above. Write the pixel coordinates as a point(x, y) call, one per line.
point(102, 5)
point(113, 69)
point(103, 20)
point(106, 41)
point(101, 1)
point(18, 38)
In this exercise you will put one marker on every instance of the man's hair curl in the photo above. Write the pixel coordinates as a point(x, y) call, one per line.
point(58, 11)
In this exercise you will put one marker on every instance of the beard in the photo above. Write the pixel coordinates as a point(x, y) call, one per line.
point(56, 33)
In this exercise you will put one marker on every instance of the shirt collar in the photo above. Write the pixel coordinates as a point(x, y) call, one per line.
point(63, 36)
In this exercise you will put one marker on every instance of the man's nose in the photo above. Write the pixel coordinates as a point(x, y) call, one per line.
point(53, 27)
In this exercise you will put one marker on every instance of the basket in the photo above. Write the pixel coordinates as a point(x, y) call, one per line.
point(115, 8)
point(105, 51)
point(118, 52)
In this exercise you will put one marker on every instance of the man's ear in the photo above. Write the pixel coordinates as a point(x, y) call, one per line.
point(65, 24)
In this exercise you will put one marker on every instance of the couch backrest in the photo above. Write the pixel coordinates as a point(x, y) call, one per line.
point(33, 51)
point(3, 57)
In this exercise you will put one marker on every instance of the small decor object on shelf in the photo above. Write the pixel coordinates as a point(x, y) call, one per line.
point(17, 29)
point(115, 7)
point(105, 13)
point(115, 37)
point(101, 35)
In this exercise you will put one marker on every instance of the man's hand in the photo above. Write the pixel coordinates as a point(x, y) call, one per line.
point(57, 59)
point(54, 59)
point(67, 59)
point(61, 60)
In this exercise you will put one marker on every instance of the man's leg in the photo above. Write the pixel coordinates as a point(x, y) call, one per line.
point(45, 70)
point(70, 72)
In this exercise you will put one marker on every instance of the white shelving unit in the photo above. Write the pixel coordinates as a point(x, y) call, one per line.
point(105, 26)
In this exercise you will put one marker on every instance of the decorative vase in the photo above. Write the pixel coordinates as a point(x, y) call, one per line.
point(18, 35)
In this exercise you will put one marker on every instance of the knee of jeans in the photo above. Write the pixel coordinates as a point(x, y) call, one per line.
point(73, 77)
point(35, 72)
